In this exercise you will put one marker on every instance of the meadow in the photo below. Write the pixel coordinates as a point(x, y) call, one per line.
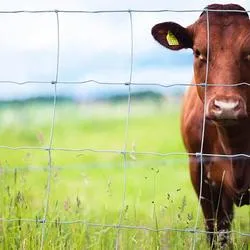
point(91, 192)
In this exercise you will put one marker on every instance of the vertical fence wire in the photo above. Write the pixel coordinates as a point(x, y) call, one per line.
point(202, 134)
point(124, 153)
point(51, 139)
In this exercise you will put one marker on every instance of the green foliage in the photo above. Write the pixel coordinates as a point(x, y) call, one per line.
point(138, 96)
point(87, 188)
point(40, 100)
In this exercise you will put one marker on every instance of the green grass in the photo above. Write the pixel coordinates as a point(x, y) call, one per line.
point(87, 188)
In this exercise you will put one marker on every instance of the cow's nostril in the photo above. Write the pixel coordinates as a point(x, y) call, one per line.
point(216, 105)
point(226, 105)
point(226, 109)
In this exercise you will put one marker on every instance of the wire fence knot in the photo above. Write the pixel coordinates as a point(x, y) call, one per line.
point(198, 154)
point(123, 153)
point(42, 221)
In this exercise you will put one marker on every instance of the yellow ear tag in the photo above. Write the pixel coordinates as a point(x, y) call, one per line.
point(171, 39)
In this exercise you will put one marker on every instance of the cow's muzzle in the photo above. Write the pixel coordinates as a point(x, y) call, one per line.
point(226, 108)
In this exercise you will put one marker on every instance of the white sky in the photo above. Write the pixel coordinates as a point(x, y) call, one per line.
point(92, 46)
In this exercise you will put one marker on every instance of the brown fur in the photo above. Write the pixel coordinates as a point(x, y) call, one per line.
point(225, 180)
point(239, 10)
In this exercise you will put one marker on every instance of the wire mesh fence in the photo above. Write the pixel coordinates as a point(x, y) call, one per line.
point(124, 152)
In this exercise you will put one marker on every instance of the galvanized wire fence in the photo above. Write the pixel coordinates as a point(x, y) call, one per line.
point(124, 151)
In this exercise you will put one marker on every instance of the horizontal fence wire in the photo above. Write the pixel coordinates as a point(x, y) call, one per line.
point(124, 152)
point(121, 226)
point(164, 85)
point(117, 11)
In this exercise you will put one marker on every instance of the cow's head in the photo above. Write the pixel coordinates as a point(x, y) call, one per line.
point(228, 62)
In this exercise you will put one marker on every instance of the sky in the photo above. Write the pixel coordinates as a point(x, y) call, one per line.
point(92, 46)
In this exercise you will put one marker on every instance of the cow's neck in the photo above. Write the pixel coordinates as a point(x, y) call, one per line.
point(235, 139)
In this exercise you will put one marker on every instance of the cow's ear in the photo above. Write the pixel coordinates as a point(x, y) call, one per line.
point(172, 35)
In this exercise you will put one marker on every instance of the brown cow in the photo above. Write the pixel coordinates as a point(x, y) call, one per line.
point(225, 180)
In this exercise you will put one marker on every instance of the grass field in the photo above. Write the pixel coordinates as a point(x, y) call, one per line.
point(87, 188)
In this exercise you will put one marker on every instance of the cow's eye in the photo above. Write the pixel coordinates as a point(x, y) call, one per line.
point(199, 56)
point(197, 53)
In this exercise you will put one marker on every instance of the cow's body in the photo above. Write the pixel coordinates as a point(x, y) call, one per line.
point(225, 110)
point(218, 140)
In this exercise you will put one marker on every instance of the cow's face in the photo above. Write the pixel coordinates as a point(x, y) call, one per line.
point(225, 61)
